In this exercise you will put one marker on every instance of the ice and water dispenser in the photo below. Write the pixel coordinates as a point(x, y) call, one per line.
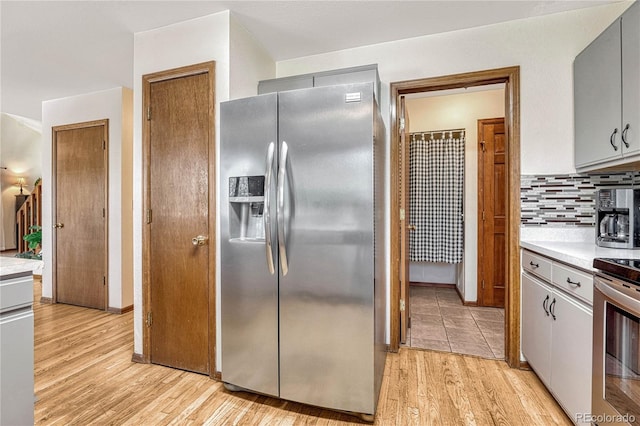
point(246, 208)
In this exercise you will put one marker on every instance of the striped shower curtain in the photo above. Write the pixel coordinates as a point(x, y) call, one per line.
point(436, 183)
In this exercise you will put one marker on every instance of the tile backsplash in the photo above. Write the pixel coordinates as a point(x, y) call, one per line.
point(561, 200)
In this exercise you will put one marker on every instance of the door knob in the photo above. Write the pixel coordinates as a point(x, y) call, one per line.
point(59, 225)
point(411, 227)
point(200, 240)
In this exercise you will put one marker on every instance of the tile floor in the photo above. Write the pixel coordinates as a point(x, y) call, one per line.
point(439, 321)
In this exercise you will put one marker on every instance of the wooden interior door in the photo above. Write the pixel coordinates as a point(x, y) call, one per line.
point(404, 222)
point(80, 214)
point(492, 205)
point(180, 238)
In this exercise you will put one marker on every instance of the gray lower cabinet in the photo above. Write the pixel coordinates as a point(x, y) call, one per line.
point(607, 97)
point(557, 341)
point(16, 349)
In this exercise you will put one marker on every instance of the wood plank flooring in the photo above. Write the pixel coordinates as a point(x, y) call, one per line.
point(84, 375)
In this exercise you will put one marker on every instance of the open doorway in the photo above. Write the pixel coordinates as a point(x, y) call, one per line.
point(445, 187)
point(400, 276)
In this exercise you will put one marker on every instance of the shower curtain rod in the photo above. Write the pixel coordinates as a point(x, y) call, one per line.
point(436, 131)
point(428, 135)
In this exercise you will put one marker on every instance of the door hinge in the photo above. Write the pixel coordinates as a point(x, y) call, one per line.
point(148, 113)
point(402, 306)
point(149, 216)
point(409, 323)
point(482, 145)
point(103, 212)
point(402, 123)
point(482, 214)
point(483, 284)
point(104, 280)
point(104, 145)
point(401, 214)
point(149, 319)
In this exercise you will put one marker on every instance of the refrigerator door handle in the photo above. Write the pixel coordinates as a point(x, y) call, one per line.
point(282, 175)
point(267, 207)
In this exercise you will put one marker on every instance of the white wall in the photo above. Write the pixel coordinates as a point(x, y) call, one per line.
point(459, 111)
point(543, 47)
point(210, 38)
point(249, 62)
point(20, 153)
point(107, 104)
point(126, 195)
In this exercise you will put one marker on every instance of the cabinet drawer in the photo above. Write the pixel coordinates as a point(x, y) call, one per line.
point(536, 264)
point(16, 292)
point(577, 283)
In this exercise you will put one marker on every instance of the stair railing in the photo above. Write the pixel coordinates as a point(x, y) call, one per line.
point(29, 214)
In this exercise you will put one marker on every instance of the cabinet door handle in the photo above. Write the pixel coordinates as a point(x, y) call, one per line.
point(544, 305)
point(534, 265)
point(576, 283)
point(624, 135)
point(551, 308)
point(612, 137)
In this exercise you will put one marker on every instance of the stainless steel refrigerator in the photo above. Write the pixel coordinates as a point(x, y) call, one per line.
point(302, 247)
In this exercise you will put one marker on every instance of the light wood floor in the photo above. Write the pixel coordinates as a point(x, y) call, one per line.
point(84, 375)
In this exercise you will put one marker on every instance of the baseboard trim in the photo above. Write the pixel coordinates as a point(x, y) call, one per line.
point(139, 358)
point(524, 365)
point(46, 300)
point(120, 310)
point(217, 376)
point(435, 285)
point(464, 302)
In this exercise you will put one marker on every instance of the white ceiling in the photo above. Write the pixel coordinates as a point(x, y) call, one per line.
point(52, 49)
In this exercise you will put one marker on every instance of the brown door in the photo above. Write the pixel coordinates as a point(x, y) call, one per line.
point(491, 213)
point(180, 239)
point(404, 221)
point(80, 214)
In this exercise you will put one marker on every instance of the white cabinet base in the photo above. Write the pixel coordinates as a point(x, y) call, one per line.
point(557, 336)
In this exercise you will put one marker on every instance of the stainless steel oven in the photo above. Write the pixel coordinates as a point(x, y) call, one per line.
point(616, 347)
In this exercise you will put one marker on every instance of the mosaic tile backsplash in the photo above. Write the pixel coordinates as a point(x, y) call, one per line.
point(566, 199)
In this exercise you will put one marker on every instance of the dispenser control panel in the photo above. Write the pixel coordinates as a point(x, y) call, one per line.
point(246, 199)
point(246, 186)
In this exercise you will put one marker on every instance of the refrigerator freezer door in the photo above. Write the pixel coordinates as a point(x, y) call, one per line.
point(326, 298)
point(249, 292)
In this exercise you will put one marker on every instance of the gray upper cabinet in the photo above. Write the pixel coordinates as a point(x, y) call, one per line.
point(359, 74)
point(286, 83)
point(607, 97)
point(631, 78)
point(597, 99)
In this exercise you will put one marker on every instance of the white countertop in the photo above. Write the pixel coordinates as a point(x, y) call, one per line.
point(15, 265)
point(578, 254)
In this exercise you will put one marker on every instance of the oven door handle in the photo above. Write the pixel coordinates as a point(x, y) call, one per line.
point(616, 292)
